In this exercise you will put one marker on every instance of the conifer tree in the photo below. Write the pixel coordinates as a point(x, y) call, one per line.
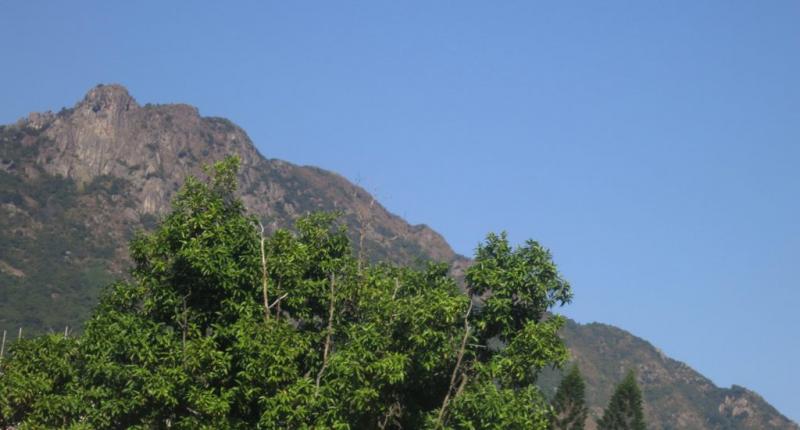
point(624, 411)
point(569, 403)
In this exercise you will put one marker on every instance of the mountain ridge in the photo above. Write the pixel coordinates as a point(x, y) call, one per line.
point(87, 144)
point(675, 395)
point(76, 185)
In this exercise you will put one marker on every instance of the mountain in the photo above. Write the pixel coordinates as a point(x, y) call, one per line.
point(675, 395)
point(76, 185)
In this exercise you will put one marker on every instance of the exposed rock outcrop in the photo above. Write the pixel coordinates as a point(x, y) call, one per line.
point(154, 148)
point(76, 185)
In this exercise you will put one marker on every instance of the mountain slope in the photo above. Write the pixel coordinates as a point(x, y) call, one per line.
point(76, 185)
point(675, 395)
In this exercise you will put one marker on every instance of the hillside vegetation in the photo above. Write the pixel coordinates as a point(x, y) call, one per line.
point(223, 328)
point(76, 186)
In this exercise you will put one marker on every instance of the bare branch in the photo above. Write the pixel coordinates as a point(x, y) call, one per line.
point(264, 275)
point(278, 300)
point(331, 308)
point(394, 412)
point(464, 379)
point(467, 330)
point(396, 288)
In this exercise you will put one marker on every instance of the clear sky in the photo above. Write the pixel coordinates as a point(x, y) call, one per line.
point(653, 146)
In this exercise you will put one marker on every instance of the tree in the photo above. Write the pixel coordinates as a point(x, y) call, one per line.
point(215, 330)
point(569, 404)
point(624, 411)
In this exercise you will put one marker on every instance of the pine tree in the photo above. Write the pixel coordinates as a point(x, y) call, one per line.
point(624, 411)
point(569, 403)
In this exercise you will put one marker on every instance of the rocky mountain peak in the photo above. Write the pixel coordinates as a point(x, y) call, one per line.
point(75, 186)
point(152, 148)
point(108, 99)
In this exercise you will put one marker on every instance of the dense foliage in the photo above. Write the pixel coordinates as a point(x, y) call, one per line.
point(624, 411)
point(569, 403)
point(223, 328)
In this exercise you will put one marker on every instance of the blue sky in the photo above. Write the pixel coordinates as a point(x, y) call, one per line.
point(653, 146)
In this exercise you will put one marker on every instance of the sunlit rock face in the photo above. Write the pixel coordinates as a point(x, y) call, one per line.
point(154, 148)
point(76, 185)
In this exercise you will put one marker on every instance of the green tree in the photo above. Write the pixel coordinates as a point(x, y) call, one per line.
point(624, 411)
point(221, 328)
point(569, 403)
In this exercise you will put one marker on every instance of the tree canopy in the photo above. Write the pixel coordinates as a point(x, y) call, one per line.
point(220, 327)
point(569, 403)
point(624, 411)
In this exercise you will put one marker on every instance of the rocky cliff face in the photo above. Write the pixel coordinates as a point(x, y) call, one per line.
point(154, 148)
point(76, 185)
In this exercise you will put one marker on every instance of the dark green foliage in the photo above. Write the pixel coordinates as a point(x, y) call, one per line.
point(569, 403)
point(197, 339)
point(624, 411)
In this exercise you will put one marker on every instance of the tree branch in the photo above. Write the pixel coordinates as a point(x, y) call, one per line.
point(396, 288)
point(329, 331)
point(3, 345)
point(467, 330)
point(264, 275)
point(278, 300)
